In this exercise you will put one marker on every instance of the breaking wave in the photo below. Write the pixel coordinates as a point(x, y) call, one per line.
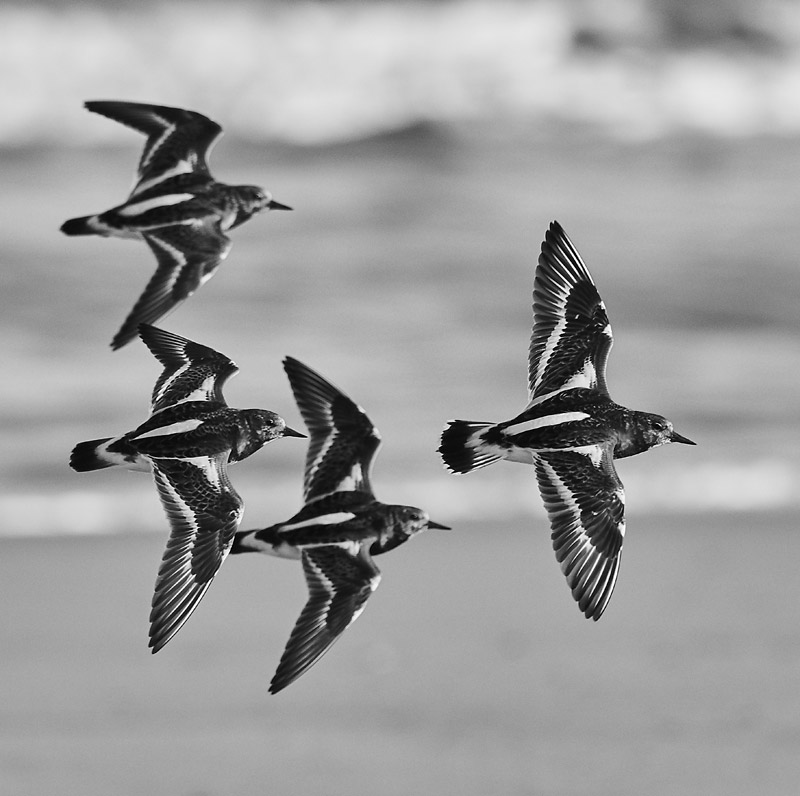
point(312, 72)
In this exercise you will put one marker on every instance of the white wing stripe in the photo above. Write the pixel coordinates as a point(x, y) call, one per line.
point(321, 454)
point(181, 427)
point(564, 493)
point(177, 254)
point(323, 519)
point(547, 420)
point(140, 208)
point(169, 129)
point(171, 495)
point(182, 167)
point(550, 346)
point(592, 452)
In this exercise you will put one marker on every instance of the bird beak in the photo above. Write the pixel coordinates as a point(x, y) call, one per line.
point(290, 432)
point(437, 526)
point(678, 438)
point(273, 205)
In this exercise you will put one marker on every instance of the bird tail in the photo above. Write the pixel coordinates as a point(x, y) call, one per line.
point(462, 447)
point(78, 226)
point(89, 455)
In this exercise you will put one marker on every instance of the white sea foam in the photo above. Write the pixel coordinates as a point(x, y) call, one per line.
point(498, 494)
point(312, 72)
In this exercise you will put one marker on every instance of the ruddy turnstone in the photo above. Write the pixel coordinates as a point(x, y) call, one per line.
point(341, 526)
point(571, 431)
point(176, 206)
point(188, 441)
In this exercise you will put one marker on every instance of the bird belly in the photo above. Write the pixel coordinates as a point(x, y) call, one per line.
point(283, 550)
point(521, 455)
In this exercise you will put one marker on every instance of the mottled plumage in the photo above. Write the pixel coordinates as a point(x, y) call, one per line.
point(176, 206)
point(341, 526)
point(188, 441)
point(571, 430)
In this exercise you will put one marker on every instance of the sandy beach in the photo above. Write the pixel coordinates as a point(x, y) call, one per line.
point(471, 671)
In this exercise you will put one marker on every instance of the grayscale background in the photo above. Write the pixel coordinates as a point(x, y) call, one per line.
point(425, 147)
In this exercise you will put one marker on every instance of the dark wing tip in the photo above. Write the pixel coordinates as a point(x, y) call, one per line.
point(339, 585)
point(312, 389)
point(171, 349)
point(122, 338)
point(167, 347)
point(344, 441)
point(561, 258)
point(138, 109)
point(553, 237)
point(314, 394)
point(556, 240)
point(277, 684)
point(171, 610)
point(585, 503)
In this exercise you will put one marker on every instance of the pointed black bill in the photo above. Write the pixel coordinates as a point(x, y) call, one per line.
point(290, 432)
point(273, 205)
point(678, 438)
point(437, 526)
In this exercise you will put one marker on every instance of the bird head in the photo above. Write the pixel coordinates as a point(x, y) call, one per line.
point(659, 431)
point(259, 199)
point(404, 522)
point(260, 426)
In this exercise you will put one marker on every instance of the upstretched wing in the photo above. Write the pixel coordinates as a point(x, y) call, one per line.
point(192, 372)
point(178, 141)
point(339, 584)
point(585, 501)
point(187, 256)
point(204, 512)
point(343, 442)
point(571, 333)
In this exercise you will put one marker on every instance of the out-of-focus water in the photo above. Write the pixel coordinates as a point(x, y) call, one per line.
point(325, 71)
point(404, 275)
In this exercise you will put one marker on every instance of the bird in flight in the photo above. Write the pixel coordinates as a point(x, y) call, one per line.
point(341, 527)
point(176, 206)
point(571, 431)
point(187, 442)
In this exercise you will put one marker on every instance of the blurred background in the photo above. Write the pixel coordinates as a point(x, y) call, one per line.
point(425, 147)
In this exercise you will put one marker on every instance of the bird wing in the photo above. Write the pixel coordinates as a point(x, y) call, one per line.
point(187, 256)
point(178, 141)
point(571, 335)
point(192, 372)
point(343, 441)
point(585, 502)
point(204, 512)
point(339, 584)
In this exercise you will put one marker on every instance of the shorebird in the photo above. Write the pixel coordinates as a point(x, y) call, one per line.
point(187, 442)
point(341, 526)
point(571, 431)
point(176, 206)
